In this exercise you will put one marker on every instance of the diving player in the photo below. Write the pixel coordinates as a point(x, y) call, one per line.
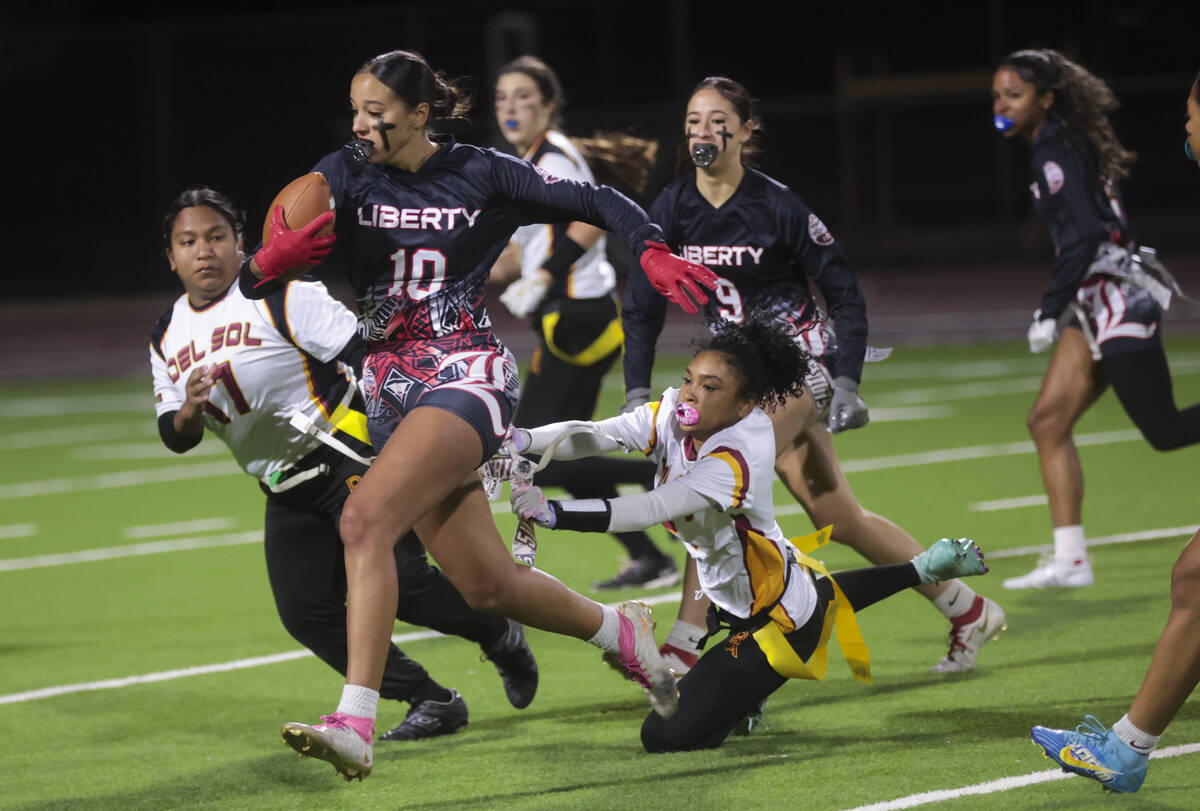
point(714, 446)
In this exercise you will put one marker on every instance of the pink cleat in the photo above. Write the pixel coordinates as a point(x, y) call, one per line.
point(346, 741)
point(640, 659)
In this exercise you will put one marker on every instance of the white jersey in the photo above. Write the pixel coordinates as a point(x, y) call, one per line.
point(741, 554)
point(273, 358)
point(592, 275)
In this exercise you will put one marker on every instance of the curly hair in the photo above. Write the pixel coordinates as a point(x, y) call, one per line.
point(1082, 103)
point(765, 353)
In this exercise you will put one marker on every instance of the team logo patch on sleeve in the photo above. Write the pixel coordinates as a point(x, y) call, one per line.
point(817, 230)
point(1054, 176)
point(546, 176)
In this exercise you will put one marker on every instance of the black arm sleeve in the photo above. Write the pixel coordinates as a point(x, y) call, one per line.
point(247, 281)
point(815, 249)
point(1069, 209)
point(179, 443)
point(644, 311)
point(539, 198)
point(563, 255)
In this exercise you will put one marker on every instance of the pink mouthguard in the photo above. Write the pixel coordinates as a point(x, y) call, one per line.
point(686, 414)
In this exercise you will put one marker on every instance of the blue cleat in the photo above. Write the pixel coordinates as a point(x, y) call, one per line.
point(1095, 752)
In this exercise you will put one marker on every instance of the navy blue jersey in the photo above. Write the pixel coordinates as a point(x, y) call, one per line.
point(418, 246)
point(1079, 208)
point(766, 245)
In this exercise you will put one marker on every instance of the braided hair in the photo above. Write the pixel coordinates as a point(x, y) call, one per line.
point(772, 365)
point(1082, 103)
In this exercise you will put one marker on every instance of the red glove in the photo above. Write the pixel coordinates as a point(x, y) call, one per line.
point(287, 249)
point(675, 277)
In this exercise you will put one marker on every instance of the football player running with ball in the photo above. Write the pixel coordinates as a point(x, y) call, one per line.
point(249, 372)
point(715, 449)
point(766, 246)
point(421, 220)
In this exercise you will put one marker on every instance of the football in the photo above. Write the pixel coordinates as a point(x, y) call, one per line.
point(303, 200)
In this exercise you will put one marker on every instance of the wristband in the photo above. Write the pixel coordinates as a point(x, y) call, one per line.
point(585, 515)
point(253, 287)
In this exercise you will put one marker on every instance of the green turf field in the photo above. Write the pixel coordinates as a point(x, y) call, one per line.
point(84, 471)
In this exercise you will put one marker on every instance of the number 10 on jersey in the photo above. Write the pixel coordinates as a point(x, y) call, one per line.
point(418, 276)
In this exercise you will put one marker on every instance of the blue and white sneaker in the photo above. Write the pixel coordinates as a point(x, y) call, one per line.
point(1095, 752)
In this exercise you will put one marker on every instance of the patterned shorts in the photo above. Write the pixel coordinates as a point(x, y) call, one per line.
point(1122, 317)
point(470, 374)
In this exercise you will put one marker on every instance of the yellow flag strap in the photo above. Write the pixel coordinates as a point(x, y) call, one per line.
point(839, 614)
point(609, 341)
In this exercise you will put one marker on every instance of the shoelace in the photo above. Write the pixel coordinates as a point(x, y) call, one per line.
point(1093, 730)
point(333, 721)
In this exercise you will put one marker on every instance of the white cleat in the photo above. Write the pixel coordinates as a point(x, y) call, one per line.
point(639, 657)
point(1051, 573)
point(984, 620)
point(334, 741)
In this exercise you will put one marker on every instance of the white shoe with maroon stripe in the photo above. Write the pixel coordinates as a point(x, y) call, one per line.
point(984, 620)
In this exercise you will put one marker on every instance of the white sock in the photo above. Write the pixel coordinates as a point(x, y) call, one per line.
point(956, 600)
point(360, 701)
point(686, 636)
point(1141, 742)
point(610, 629)
point(1070, 546)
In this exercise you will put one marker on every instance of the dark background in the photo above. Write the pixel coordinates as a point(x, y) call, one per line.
point(878, 114)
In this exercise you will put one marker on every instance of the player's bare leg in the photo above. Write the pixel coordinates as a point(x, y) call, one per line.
point(807, 464)
point(1072, 383)
point(1175, 668)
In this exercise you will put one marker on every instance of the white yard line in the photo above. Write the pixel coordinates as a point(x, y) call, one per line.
point(1104, 540)
point(978, 452)
point(132, 550)
point(104, 432)
point(180, 527)
point(128, 478)
point(143, 450)
point(18, 531)
point(225, 667)
point(906, 413)
point(1004, 784)
point(94, 404)
point(1007, 503)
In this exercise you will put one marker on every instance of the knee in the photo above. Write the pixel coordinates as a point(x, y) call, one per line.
point(1162, 438)
point(487, 593)
point(357, 524)
point(654, 734)
point(1046, 423)
point(304, 619)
